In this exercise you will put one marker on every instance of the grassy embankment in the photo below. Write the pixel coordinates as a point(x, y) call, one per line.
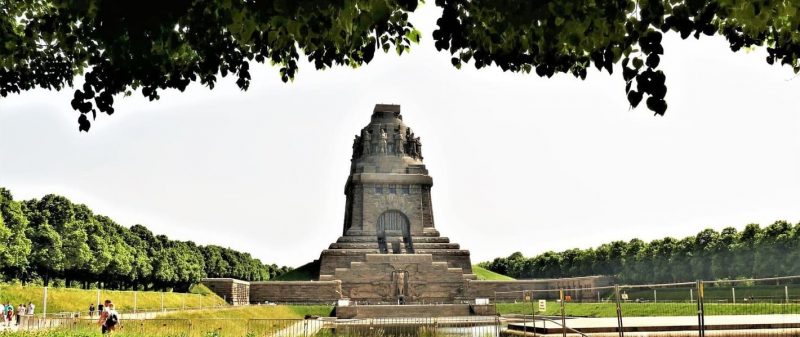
point(486, 274)
point(74, 300)
point(256, 312)
point(306, 272)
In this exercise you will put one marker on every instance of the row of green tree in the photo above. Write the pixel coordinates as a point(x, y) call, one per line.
point(54, 239)
point(754, 251)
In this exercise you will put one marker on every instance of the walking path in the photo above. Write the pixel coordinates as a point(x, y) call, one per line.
point(662, 323)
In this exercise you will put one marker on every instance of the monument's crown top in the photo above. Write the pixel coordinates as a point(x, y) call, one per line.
point(386, 112)
point(386, 108)
point(386, 140)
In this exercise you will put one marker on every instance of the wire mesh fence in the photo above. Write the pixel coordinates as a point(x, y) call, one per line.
point(751, 307)
point(445, 327)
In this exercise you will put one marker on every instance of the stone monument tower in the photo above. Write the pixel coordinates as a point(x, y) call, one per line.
point(390, 249)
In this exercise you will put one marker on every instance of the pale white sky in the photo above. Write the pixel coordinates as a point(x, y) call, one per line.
point(519, 163)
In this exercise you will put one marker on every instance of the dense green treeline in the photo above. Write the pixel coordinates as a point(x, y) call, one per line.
point(710, 255)
point(54, 239)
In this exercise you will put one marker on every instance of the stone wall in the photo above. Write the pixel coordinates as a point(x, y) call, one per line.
point(372, 281)
point(412, 205)
point(512, 290)
point(380, 311)
point(330, 259)
point(295, 291)
point(235, 292)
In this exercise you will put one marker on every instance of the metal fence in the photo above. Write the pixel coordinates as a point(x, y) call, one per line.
point(227, 327)
point(752, 307)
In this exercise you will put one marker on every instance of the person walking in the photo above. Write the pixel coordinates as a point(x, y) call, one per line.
point(31, 308)
point(9, 314)
point(109, 318)
point(5, 312)
point(91, 310)
point(112, 323)
point(20, 312)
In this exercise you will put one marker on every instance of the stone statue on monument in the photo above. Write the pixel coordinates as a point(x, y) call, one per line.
point(400, 282)
point(399, 142)
point(383, 148)
point(357, 147)
point(366, 144)
point(419, 147)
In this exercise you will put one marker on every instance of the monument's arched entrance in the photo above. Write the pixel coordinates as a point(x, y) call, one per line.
point(393, 224)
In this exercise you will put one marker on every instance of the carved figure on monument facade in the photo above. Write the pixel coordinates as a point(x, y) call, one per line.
point(412, 147)
point(400, 281)
point(357, 147)
point(366, 143)
point(383, 148)
point(399, 142)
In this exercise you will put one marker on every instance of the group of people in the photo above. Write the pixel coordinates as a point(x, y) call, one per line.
point(108, 318)
point(12, 315)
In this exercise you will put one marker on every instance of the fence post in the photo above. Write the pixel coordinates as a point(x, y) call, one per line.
point(691, 295)
point(786, 293)
point(655, 296)
point(98, 297)
point(563, 314)
point(135, 302)
point(44, 304)
point(533, 313)
point(495, 303)
point(700, 314)
point(733, 294)
point(525, 320)
point(619, 310)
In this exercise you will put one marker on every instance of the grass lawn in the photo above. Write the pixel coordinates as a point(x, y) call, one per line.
point(486, 274)
point(74, 300)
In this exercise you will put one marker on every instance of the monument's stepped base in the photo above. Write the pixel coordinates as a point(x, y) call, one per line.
point(328, 289)
point(406, 277)
point(417, 239)
point(389, 311)
point(348, 249)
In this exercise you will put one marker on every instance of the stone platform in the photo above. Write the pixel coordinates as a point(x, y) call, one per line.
point(410, 278)
point(418, 311)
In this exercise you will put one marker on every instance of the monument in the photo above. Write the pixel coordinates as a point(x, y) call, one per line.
point(390, 250)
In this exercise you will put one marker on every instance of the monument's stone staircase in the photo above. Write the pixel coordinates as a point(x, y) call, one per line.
point(348, 249)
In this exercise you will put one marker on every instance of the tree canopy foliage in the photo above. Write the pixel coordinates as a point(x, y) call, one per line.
point(710, 255)
point(122, 46)
point(53, 238)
